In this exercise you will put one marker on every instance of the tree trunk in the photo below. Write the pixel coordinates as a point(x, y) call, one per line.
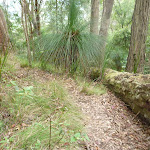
point(140, 20)
point(31, 29)
point(4, 36)
point(25, 27)
point(105, 21)
point(62, 23)
point(37, 13)
point(94, 16)
point(56, 16)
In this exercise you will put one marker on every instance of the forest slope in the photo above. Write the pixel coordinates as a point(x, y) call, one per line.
point(107, 121)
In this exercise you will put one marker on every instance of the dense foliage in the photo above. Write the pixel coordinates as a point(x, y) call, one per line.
point(73, 47)
point(71, 33)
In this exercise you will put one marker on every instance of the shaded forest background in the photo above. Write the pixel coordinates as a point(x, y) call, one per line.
point(38, 22)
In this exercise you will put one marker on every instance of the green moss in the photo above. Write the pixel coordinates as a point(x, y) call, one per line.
point(133, 89)
point(94, 73)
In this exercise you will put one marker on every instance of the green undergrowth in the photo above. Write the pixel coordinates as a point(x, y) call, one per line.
point(6, 66)
point(87, 86)
point(38, 114)
point(21, 58)
point(90, 87)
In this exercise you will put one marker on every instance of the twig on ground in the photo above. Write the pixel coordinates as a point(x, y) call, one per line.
point(50, 132)
point(135, 115)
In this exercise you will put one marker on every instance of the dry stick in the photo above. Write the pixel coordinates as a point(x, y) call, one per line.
point(50, 132)
point(58, 141)
point(135, 116)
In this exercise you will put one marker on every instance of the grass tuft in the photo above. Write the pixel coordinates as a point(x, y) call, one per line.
point(90, 88)
point(30, 103)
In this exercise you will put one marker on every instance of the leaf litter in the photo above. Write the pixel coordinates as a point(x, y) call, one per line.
point(110, 124)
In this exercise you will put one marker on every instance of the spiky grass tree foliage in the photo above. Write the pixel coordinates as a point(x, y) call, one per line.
point(73, 47)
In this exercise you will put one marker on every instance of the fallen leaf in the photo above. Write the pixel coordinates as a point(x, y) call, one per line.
point(13, 125)
point(18, 127)
point(24, 125)
point(66, 144)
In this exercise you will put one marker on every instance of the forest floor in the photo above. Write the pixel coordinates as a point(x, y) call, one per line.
point(108, 122)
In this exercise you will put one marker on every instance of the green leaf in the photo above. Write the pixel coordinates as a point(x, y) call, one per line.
point(17, 88)
point(13, 83)
point(9, 85)
point(73, 139)
point(86, 137)
point(77, 135)
point(28, 88)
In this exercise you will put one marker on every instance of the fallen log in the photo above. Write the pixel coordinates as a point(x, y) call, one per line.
point(134, 89)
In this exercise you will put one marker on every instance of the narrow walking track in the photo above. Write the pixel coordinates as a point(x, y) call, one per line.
point(110, 125)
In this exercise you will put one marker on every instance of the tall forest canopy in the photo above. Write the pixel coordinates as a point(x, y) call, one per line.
point(80, 34)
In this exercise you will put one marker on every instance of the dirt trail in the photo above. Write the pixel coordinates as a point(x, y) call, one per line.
point(110, 125)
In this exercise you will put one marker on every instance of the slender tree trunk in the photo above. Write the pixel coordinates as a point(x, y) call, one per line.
point(37, 13)
point(25, 27)
point(56, 16)
point(140, 20)
point(62, 23)
point(31, 30)
point(105, 21)
point(95, 4)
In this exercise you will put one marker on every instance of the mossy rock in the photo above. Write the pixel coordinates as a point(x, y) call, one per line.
point(133, 89)
point(94, 73)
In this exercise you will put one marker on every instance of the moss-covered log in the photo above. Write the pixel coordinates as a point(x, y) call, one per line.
point(134, 89)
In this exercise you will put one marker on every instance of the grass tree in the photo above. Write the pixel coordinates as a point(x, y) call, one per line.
point(72, 48)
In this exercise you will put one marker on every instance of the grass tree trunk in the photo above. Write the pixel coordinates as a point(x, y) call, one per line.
point(94, 16)
point(136, 56)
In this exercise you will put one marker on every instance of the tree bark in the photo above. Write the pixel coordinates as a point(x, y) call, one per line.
point(94, 16)
point(33, 14)
point(56, 16)
point(37, 13)
point(62, 22)
point(105, 21)
point(140, 20)
point(25, 27)
point(4, 36)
